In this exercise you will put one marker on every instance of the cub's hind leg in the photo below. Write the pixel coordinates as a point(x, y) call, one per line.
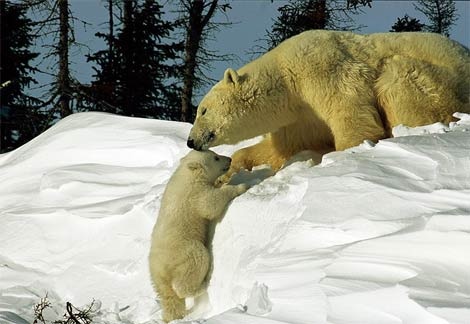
point(188, 277)
point(173, 306)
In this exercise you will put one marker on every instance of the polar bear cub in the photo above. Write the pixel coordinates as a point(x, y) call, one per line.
point(179, 258)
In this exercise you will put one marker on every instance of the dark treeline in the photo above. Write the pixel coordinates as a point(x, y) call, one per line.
point(150, 66)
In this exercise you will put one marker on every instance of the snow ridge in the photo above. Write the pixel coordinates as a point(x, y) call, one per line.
point(379, 233)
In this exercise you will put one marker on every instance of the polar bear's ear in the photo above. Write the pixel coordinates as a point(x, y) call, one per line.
point(193, 166)
point(231, 76)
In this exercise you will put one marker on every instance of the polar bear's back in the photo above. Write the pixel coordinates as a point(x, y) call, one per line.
point(429, 47)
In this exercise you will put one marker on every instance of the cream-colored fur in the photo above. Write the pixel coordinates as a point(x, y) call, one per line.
point(327, 90)
point(179, 259)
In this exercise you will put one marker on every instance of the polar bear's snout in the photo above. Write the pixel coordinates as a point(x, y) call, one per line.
point(190, 143)
point(229, 162)
point(194, 144)
point(203, 143)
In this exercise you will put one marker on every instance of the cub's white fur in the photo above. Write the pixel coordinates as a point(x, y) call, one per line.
point(179, 258)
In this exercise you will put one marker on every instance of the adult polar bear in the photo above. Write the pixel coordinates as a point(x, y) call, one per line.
point(327, 90)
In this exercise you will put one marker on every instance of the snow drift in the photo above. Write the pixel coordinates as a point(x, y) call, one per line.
point(375, 234)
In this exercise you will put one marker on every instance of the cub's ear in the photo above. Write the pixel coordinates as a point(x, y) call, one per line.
point(193, 166)
point(231, 76)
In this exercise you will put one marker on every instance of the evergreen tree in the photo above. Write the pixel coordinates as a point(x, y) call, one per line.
point(300, 15)
point(197, 18)
point(139, 76)
point(296, 17)
point(57, 27)
point(358, 3)
point(63, 81)
point(20, 118)
point(100, 94)
point(407, 24)
point(442, 14)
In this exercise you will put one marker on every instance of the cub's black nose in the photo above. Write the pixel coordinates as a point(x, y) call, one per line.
point(190, 143)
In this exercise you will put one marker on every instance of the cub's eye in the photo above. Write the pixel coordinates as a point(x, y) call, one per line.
point(216, 158)
point(203, 112)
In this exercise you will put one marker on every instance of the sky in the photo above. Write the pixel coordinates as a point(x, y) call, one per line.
point(250, 20)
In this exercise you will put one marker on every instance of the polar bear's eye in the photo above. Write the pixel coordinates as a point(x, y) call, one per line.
point(203, 112)
point(216, 158)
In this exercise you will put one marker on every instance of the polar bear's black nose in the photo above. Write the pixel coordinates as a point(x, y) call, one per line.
point(190, 143)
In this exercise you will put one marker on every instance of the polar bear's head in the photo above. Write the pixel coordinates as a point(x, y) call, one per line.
point(206, 164)
point(239, 107)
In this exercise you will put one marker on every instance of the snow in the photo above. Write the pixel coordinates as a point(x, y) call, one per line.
point(379, 233)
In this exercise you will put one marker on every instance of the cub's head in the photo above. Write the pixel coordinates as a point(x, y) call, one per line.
point(206, 165)
point(236, 108)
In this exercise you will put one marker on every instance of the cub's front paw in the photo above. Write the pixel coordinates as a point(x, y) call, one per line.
point(222, 180)
point(241, 188)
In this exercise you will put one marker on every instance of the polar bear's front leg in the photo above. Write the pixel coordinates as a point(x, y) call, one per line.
point(214, 202)
point(261, 153)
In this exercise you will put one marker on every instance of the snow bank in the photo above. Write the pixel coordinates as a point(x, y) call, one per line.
point(375, 234)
